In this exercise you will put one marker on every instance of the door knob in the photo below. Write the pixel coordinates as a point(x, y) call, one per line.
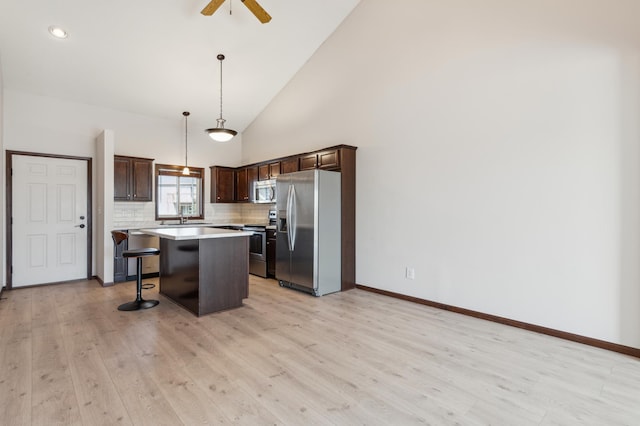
point(80, 226)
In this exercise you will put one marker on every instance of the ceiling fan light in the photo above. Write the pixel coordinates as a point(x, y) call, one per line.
point(220, 134)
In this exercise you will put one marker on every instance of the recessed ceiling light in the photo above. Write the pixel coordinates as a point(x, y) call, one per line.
point(57, 32)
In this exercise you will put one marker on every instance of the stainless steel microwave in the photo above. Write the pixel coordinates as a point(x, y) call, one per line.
point(264, 191)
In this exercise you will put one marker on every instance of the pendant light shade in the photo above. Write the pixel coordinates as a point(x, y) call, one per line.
point(219, 133)
point(186, 170)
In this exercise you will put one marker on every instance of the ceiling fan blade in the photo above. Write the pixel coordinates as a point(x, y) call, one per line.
point(257, 10)
point(212, 7)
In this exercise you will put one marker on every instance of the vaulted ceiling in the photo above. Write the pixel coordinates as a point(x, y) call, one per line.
point(158, 57)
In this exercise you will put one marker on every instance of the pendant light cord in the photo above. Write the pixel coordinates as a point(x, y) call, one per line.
point(186, 129)
point(219, 57)
point(186, 145)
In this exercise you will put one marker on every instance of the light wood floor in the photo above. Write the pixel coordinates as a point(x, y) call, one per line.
point(67, 356)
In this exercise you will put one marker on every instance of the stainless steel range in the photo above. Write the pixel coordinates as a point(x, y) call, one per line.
point(257, 249)
point(258, 246)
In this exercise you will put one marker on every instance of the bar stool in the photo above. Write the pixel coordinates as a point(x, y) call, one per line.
point(139, 303)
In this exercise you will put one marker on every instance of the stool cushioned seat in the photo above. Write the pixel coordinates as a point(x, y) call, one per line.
point(141, 252)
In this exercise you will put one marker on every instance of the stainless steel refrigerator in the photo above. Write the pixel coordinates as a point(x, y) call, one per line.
point(308, 254)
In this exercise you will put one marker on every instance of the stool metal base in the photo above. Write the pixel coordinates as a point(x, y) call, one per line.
point(137, 305)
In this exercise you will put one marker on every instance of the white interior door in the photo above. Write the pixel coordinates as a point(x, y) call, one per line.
point(49, 212)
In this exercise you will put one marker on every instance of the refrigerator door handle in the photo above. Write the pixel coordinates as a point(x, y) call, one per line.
point(289, 218)
point(293, 218)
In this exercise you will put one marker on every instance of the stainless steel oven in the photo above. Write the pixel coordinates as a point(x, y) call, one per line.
point(257, 250)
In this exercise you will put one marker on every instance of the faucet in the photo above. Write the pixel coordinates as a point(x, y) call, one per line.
point(183, 219)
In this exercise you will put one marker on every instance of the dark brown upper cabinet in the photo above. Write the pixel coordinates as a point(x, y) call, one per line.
point(269, 171)
point(252, 176)
point(132, 178)
point(223, 188)
point(289, 165)
point(327, 160)
point(244, 183)
point(242, 186)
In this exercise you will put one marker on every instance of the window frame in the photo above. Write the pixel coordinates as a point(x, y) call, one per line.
point(173, 170)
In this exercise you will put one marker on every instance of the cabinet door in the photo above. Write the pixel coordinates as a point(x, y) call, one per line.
point(308, 162)
point(328, 160)
point(121, 178)
point(252, 176)
point(242, 185)
point(271, 254)
point(120, 263)
point(289, 165)
point(141, 187)
point(263, 172)
point(222, 185)
point(132, 178)
point(269, 171)
point(274, 170)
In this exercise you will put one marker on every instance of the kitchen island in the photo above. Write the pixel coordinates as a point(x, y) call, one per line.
point(203, 269)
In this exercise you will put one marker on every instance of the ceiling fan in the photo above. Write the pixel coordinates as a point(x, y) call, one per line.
point(252, 5)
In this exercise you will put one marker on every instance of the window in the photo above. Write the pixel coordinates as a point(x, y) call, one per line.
point(178, 195)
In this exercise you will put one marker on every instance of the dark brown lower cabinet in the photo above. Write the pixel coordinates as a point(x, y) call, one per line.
point(271, 252)
point(120, 263)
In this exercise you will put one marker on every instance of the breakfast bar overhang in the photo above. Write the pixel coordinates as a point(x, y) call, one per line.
point(202, 269)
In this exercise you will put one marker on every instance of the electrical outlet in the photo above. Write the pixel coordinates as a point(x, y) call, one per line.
point(410, 273)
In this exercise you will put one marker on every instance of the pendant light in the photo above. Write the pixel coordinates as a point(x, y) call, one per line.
point(185, 171)
point(219, 133)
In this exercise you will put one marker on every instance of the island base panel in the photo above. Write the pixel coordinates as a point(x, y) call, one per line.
point(206, 275)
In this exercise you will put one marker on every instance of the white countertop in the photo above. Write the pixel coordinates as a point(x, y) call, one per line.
point(193, 233)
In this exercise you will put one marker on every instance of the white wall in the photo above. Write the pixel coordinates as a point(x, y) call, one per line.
point(47, 125)
point(3, 261)
point(104, 206)
point(36, 123)
point(498, 153)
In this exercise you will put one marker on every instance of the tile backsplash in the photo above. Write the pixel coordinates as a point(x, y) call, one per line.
point(128, 214)
point(256, 213)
